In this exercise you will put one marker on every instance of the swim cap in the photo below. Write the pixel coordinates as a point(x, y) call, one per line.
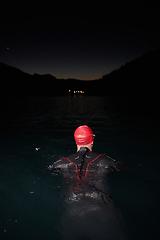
point(83, 135)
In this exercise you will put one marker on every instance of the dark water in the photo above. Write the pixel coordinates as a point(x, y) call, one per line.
point(37, 131)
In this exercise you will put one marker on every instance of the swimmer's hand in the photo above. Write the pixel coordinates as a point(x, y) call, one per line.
point(50, 167)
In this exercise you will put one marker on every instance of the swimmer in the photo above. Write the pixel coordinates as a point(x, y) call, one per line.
point(86, 194)
point(85, 164)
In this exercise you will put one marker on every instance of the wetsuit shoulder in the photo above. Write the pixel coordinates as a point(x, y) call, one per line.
point(103, 161)
point(113, 164)
point(59, 164)
point(64, 162)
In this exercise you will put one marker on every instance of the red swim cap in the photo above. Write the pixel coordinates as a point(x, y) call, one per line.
point(83, 135)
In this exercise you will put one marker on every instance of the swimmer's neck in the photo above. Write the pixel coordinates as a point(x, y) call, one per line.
point(89, 146)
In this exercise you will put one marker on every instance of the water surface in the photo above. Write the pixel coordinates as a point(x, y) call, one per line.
point(35, 132)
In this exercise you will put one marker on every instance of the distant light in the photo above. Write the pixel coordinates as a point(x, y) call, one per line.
point(76, 91)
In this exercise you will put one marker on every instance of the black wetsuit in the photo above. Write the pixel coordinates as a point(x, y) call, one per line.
point(86, 166)
point(89, 209)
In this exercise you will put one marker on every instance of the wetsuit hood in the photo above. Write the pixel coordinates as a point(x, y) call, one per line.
point(83, 151)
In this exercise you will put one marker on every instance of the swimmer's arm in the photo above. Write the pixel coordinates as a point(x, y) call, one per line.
point(59, 164)
point(50, 167)
point(116, 165)
point(54, 165)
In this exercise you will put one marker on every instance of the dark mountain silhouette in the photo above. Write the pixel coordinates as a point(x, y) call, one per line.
point(139, 76)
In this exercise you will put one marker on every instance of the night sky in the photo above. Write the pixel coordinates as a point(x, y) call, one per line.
point(72, 41)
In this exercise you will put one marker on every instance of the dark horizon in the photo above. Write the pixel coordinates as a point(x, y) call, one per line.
point(149, 53)
point(127, 80)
